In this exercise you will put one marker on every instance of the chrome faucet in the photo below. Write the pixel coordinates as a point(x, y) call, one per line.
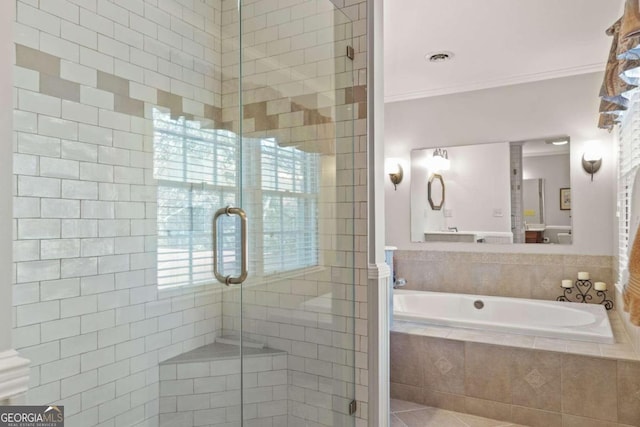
point(454, 229)
point(399, 283)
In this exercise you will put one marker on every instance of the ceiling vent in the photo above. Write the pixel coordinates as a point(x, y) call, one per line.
point(439, 57)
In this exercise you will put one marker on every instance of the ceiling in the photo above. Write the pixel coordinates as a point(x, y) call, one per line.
point(543, 147)
point(495, 43)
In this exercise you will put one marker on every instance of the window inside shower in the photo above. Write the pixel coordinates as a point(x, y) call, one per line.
point(197, 171)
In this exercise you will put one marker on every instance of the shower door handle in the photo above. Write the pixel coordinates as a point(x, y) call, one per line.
point(230, 280)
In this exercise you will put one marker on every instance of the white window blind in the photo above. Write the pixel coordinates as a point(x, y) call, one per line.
point(198, 172)
point(629, 161)
point(290, 207)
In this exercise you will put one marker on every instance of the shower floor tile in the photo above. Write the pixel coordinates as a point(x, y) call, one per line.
point(408, 414)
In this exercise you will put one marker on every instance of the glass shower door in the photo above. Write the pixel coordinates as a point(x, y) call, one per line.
point(288, 96)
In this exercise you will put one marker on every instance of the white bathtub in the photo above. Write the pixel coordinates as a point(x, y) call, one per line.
point(550, 319)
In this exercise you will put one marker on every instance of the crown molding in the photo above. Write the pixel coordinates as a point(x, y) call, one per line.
point(508, 81)
point(14, 375)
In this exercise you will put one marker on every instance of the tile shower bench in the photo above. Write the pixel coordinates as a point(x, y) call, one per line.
point(202, 387)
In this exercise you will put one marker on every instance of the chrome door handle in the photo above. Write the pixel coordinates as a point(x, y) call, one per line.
point(230, 280)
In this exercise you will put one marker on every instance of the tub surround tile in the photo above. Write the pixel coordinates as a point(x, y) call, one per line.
point(487, 374)
point(547, 287)
point(500, 274)
point(618, 353)
point(535, 380)
point(443, 364)
point(425, 416)
point(407, 392)
point(429, 331)
point(406, 351)
point(525, 385)
point(621, 350)
point(516, 281)
point(628, 379)
point(456, 278)
point(487, 408)
point(575, 421)
point(589, 387)
point(583, 348)
point(632, 331)
point(550, 344)
point(430, 417)
point(535, 417)
point(478, 336)
point(522, 341)
point(451, 402)
point(485, 279)
point(398, 405)
point(476, 421)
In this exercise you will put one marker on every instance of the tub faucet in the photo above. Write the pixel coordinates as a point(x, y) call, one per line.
point(454, 229)
point(399, 283)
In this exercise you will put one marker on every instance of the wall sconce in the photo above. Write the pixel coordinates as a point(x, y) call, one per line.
point(396, 176)
point(439, 161)
point(591, 162)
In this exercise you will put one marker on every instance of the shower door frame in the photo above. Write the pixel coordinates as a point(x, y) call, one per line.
point(239, 285)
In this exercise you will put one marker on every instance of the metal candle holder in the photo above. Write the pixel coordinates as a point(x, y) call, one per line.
point(581, 292)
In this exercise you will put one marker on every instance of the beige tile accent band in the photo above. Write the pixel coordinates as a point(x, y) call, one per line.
point(60, 88)
point(37, 60)
point(113, 84)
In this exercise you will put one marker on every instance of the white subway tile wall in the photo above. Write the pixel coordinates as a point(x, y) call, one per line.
point(87, 309)
point(208, 393)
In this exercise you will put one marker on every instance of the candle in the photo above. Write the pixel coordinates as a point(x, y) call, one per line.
point(583, 275)
point(567, 284)
point(600, 286)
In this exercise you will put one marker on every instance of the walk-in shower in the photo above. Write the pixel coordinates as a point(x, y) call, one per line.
point(185, 211)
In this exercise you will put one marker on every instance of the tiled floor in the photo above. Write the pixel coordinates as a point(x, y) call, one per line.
point(408, 414)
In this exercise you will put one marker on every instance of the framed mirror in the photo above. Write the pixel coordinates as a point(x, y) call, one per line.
point(436, 192)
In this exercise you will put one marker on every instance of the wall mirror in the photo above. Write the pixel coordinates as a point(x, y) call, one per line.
point(435, 192)
point(501, 193)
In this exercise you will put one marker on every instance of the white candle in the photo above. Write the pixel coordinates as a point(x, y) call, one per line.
point(567, 283)
point(600, 286)
point(583, 275)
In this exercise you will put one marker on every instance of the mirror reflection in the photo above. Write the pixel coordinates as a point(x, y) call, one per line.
point(501, 193)
point(436, 192)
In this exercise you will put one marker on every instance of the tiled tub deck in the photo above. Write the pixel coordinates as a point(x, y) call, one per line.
point(531, 381)
point(202, 388)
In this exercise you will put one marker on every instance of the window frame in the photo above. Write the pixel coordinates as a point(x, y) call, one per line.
point(252, 152)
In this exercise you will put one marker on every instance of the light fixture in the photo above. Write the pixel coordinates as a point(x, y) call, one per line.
point(591, 161)
point(439, 161)
point(393, 168)
point(564, 140)
point(396, 176)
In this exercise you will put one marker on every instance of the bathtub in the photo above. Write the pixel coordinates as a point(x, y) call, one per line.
point(549, 319)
